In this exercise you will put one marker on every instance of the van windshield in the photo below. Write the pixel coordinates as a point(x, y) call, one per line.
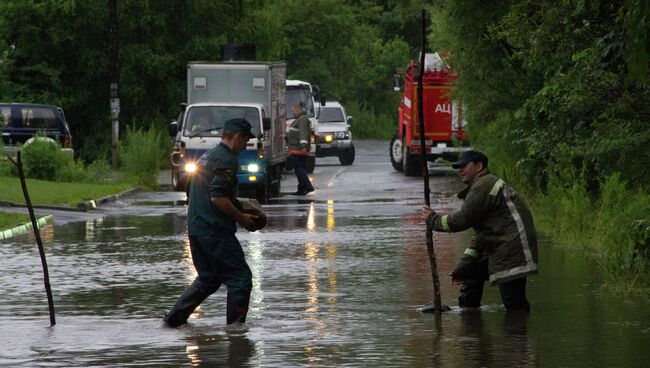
point(331, 115)
point(298, 95)
point(201, 118)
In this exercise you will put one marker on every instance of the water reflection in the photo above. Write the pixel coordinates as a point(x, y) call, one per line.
point(331, 220)
point(341, 291)
point(255, 259)
point(231, 350)
point(311, 218)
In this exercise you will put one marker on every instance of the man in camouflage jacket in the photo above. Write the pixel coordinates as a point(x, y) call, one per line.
point(504, 249)
point(298, 144)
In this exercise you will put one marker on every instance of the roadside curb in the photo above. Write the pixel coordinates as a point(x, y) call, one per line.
point(80, 207)
point(26, 227)
point(93, 203)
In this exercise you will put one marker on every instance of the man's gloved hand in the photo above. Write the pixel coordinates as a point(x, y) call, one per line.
point(428, 214)
point(454, 280)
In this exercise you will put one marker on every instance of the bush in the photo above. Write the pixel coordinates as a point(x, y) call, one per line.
point(141, 153)
point(368, 124)
point(7, 168)
point(43, 159)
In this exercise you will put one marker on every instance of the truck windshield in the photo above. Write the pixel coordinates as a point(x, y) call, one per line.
point(201, 119)
point(331, 115)
point(297, 95)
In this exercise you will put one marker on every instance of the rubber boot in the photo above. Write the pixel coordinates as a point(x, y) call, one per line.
point(237, 307)
point(185, 305)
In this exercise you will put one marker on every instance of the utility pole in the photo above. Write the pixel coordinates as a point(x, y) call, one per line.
point(114, 70)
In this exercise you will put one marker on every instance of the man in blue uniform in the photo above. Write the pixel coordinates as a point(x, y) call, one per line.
point(211, 223)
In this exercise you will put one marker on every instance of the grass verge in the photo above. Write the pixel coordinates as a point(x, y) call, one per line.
point(11, 219)
point(611, 228)
point(43, 192)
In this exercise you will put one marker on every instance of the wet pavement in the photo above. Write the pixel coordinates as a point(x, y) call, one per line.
point(337, 277)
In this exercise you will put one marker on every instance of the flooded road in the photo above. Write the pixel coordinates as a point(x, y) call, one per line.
point(337, 277)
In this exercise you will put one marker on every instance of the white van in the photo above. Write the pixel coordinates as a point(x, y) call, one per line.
point(334, 136)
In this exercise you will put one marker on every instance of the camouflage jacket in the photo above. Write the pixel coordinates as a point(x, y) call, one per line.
point(504, 229)
point(299, 134)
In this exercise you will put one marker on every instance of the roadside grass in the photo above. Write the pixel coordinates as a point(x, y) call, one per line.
point(10, 219)
point(611, 228)
point(43, 192)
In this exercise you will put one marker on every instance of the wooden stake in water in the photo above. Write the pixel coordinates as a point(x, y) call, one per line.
point(437, 303)
point(37, 234)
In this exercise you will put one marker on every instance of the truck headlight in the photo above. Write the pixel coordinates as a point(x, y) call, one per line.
point(253, 168)
point(329, 138)
point(342, 135)
point(190, 168)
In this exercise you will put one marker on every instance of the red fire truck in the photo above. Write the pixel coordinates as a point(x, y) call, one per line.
point(445, 136)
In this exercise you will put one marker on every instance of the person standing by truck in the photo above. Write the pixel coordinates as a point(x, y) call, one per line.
point(211, 225)
point(298, 148)
point(504, 249)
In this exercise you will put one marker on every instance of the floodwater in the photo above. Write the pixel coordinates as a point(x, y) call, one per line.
point(336, 283)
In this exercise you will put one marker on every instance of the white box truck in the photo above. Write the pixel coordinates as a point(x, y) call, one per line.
point(217, 92)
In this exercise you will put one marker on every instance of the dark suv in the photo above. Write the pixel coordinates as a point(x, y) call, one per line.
point(20, 121)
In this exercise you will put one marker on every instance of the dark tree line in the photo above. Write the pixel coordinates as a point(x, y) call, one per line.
point(57, 53)
point(551, 85)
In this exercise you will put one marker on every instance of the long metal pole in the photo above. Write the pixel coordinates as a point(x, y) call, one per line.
point(37, 234)
point(437, 303)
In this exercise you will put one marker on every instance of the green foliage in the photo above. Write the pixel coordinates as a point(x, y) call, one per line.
point(7, 168)
point(557, 96)
point(335, 45)
point(43, 159)
point(140, 155)
point(611, 229)
point(366, 123)
point(349, 49)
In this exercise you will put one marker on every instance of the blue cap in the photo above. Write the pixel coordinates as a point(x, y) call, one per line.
point(470, 156)
point(238, 125)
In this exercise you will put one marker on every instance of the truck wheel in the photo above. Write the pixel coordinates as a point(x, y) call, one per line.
point(178, 185)
point(262, 192)
point(412, 164)
point(347, 157)
point(396, 152)
point(276, 181)
point(311, 164)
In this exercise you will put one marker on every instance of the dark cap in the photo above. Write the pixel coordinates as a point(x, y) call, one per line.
point(238, 125)
point(470, 156)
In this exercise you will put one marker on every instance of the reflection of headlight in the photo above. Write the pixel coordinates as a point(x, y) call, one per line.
point(190, 168)
point(328, 138)
point(253, 168)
